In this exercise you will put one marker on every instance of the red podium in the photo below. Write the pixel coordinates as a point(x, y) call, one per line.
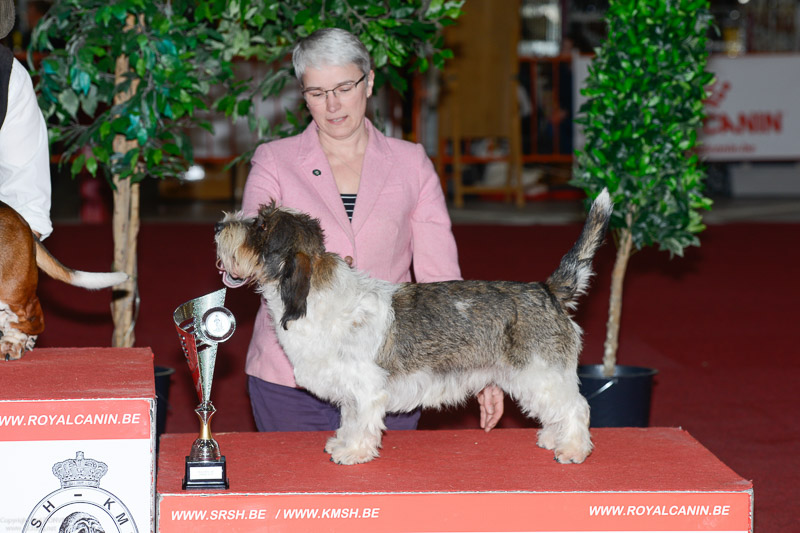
point(655, 479)
point(77, 436)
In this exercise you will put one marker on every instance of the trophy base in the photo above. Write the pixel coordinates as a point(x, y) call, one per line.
point(205, 474)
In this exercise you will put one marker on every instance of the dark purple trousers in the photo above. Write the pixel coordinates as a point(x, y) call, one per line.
point(281, 408)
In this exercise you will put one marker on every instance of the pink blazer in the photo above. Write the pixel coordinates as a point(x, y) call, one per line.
point(400, 214)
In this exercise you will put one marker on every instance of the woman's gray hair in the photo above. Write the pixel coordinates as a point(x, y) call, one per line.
point(330, 46)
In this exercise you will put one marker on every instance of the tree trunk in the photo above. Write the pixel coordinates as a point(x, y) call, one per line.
point(126, 231)
point(624, 247)
point(125, 222)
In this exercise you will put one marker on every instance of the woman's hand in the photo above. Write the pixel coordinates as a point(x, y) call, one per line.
point(491, 402)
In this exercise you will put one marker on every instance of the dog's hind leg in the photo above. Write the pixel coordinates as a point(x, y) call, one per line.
point(358, 438)
point(564, 414)
point(568, 435)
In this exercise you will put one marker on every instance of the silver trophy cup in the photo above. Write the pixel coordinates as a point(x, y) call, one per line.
point(203, 323)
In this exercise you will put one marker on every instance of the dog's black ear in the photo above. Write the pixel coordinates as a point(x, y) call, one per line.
point(295, 284)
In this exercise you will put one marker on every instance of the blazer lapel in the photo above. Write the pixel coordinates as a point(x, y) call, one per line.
point(375, 169)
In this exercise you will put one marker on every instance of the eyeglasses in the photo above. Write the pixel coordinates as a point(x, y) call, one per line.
point(317, 96)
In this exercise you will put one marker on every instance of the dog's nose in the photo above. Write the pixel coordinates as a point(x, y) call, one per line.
point(217, 227)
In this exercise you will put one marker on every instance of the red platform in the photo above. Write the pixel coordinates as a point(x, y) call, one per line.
point(655, 479)
point(67, 373)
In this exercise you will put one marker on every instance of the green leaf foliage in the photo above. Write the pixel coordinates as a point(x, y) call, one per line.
point(179, 50)
point(644, 107)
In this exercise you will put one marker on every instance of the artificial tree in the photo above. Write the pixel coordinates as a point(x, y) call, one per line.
point(645, 92)
point(122, 82)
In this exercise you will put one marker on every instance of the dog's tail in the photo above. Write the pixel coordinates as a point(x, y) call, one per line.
point(88, 280)
point(571, 278)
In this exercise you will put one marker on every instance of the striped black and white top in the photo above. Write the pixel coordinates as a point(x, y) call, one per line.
point(349, 201)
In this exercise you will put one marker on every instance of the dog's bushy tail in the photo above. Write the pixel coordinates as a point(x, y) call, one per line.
point(88, 280)
point(571, 278)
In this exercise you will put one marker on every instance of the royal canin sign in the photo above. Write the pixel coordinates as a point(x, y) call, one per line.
point(752, 109)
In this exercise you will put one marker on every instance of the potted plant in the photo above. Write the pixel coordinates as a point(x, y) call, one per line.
point(645, 92)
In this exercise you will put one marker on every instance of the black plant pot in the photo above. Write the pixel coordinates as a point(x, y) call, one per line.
point(622, 400)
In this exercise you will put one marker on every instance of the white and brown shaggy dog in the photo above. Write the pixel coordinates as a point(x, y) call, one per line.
point(374, 347)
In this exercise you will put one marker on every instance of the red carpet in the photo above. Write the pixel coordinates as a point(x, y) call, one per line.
point(718, 325)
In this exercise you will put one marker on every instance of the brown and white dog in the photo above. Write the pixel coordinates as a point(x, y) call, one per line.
point(21, 318)
point(373, 347)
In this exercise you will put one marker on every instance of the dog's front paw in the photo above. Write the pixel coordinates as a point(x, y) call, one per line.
point(9, 352)
point(14, 344)
point(353, 455)
point(572, 453)
point(333, 444)
point(547, 439)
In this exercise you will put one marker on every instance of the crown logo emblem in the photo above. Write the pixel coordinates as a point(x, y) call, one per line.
point(80, 472)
